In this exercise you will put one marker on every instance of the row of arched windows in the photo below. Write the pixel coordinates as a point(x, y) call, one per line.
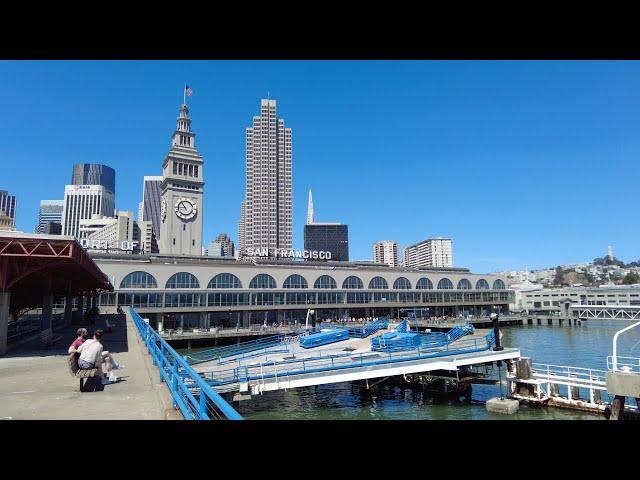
point(263, 280)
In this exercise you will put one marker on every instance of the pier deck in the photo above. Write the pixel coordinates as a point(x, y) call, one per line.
point(36, 384)
point(291, 366)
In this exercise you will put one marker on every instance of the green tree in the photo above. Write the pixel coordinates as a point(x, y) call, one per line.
point(631, 278)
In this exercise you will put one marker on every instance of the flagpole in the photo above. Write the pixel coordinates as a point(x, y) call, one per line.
point(184, 94)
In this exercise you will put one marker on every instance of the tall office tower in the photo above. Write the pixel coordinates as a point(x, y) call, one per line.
point(386, 251)
point(182, 191)
point(50, 211)
point(94, 174)
point(150, 206)
point(6, 222)
point(222, 246)
point(328, 237)
point(432, 252)
point(8, 205)
point(241, 246)
point(82, 201)
point(268, 216)
point(310, 213)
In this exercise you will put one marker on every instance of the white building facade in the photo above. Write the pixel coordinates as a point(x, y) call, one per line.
point(181, 208)
point(433, 252)
point(82, 201)
point(267, 214)
point(386, 251)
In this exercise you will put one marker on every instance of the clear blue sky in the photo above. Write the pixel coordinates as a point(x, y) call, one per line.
point(523, 164)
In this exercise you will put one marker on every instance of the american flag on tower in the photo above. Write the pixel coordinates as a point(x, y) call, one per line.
point(187, 90)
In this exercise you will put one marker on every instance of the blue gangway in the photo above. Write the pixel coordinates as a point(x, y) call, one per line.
point(324, 338)
point(339, 361)
point(261, 344)
point(181, 379)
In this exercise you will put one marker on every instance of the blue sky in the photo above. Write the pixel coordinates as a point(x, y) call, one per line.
point(522, 163)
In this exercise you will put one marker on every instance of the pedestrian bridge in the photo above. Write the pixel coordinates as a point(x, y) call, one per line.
point(599, 312)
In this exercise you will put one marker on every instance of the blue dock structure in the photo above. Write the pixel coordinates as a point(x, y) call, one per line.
point(324, 337)
point(350, 359)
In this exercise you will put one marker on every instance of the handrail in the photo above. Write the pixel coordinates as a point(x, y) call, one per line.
point(615, 344)
point(175, 371)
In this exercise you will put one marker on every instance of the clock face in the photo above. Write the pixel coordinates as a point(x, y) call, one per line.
point(185, 208)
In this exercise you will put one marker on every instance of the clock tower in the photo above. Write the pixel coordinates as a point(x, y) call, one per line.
point(182, 191)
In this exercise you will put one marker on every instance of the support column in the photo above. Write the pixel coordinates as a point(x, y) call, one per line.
point(245, 319)
point(5, 298)
point(68, 310)
point(203, 320)
point(81, 309)
point(47, 306)
point(46, 332)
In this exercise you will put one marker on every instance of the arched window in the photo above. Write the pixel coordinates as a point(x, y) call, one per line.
point(225, 280)
point(482, 284)
point(183, 280)
point(424, 284)
point(139, 280)
point(464, 284)
point(325, 281)
point(352, 282)
point(378, 283)
point(402, 283)
point(295, 281)
point(498, 285)
point(445, 284)
point(262, 280)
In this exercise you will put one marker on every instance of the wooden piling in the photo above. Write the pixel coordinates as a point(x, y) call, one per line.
point(617, 407)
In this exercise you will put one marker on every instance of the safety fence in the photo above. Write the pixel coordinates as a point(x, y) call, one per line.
point(180, 378)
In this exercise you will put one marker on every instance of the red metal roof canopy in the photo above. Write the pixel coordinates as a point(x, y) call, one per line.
point(32, 266)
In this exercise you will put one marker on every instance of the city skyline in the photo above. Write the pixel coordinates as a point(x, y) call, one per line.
point(479, 156)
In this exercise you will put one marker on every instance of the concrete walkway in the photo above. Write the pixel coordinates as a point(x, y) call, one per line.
point(36, 384)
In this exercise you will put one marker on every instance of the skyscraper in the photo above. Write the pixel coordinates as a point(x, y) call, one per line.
point(50, 211)
point(94, 174)
point(182, 191)
point(268, 213)
point(8, 205)
point(82, 201)
point(310, 213)
point(386, 251)
point(150, 208)
point(222, 246)
point(432, 252)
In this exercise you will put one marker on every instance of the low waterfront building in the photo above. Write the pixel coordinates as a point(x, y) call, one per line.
point(552, 299)
point(203, 291)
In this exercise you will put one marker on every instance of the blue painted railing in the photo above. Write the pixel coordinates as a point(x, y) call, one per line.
point(339, 361)
point(181, 379)
point(238, 348)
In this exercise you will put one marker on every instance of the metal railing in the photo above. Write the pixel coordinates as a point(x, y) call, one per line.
point(179, 377)
point(238, 348)
point(566, 375)
point(623, 364)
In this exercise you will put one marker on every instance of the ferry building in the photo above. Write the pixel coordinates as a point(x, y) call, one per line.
point(204, 292)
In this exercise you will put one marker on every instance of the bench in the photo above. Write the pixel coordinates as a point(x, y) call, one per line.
point(77, 372)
